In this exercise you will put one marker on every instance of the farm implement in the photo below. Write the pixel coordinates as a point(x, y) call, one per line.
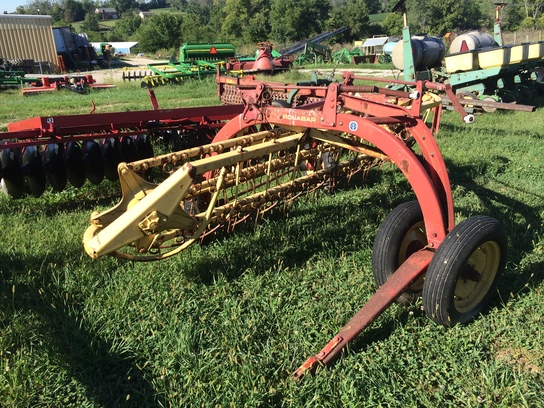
point(29, 85)
point(14, 78)
point(201, 60)
point(479, 67)
point(195, 61)
point(76, 83)
point(57, 150)
point(287, 140)
point(198, 60)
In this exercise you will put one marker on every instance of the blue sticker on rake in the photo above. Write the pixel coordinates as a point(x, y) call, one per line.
point(353, 126)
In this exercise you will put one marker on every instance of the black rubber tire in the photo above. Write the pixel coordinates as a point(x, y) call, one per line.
point(477, 246)
point(401, 234)
point(526, 94)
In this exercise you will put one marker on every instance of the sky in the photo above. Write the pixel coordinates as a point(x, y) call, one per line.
point(11, 5)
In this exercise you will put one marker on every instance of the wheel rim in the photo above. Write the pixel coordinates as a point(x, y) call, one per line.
point(487, 108)
point(414, 240)
point(477, 276)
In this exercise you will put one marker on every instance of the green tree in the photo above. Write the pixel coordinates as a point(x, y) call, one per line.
point(511, 17)
point(73, 11)
point(90, 23)
point(122, 6)
point(529, 23)
point(215, 17)
point(37, 7)
point(159, 32)
point(285, 18)
point(258, 28)
point(436, 17)
point(197, 8)
point(357, 19)
point(393, 24)
point(57, 14)
point(236, 19)
point(193, 31)
point(126, 28)
point(89, 6)
point(293, 20)
point(337, 17)
point(60, 23)
point(247, 21)
point(533, 8)
point(373, 6)
point(203, 21)
point(178, 4)
point(152, 4)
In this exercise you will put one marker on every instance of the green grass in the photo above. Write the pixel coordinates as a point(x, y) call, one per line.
point(126, 96)
point(225, 323)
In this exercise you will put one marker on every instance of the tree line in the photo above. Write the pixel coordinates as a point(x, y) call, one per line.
point(280, 21)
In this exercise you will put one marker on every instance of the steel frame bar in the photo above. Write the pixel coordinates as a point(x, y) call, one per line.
point(42, 130)
point(407, 273)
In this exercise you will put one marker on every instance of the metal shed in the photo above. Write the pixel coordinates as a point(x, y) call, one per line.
point(374, 45)
point(28, 37)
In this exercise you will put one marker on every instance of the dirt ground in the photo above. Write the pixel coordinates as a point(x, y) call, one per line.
point(115, 73)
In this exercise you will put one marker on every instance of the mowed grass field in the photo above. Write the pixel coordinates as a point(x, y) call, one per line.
point(227, 322)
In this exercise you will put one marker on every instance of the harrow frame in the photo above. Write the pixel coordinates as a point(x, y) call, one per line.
point(24, 174)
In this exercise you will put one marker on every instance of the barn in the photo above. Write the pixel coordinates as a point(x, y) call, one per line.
point(30, 39)
point(106, 13)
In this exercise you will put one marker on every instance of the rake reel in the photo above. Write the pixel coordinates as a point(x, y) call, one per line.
point(281, 147)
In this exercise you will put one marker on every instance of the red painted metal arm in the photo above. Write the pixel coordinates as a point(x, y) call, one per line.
point(408, 272)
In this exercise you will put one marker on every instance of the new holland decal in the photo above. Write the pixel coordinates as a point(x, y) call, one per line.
point(298, 117)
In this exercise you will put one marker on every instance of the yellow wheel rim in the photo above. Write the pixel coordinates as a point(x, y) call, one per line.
point(477, 277)
point(414, 240)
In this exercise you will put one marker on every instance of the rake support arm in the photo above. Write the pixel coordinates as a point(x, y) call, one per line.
point(408, 272)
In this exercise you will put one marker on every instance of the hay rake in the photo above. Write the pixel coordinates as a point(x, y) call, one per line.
point(291, 139)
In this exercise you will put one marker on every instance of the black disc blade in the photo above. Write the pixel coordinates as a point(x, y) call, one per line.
point(94, 163)
point(54, 166)
point(32, 169)
point(128, 149)
point(111, 155)
point(144, 148)
point(75, 166)
point(12, 177)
